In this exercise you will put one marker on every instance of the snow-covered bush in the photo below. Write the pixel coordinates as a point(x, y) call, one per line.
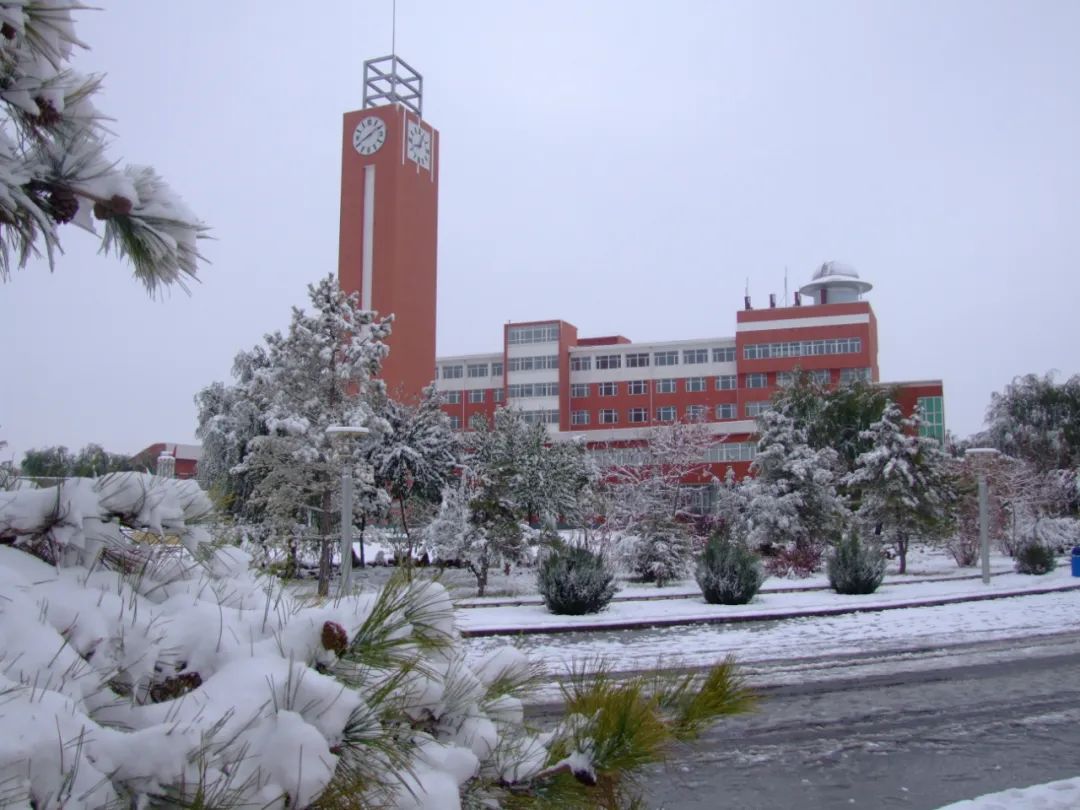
point(855, 567)
point(1035, 558)
point(728, 572)
point(574, 580)
point(661, 553)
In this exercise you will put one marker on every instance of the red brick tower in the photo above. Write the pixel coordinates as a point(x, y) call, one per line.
point(389, 217)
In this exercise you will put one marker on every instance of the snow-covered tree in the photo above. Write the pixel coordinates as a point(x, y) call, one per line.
point(793, 505)
point(903, 484)
point(416, 453)
point(54, 166)
point(1037, 420)
point(266, 435)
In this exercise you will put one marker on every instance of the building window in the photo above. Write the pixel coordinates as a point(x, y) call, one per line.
point(850, 375)
point(755, 409)
point(452, 372)
point(932, 418)
point(537, 363)
point(477, 370)
point(666, 358)
point(607, 361)
point(637, 360)
point(518, 335)
point(723, 354)
point(579, 390)
point(635, 387)
point(756, 381)
point(500, 395)
point(477, 396)
point(451, 397)
point(695, 384)
point(665, 386)
point(579, 417)
point(665, 414)
point(609, 416)
point(726, 411)
point(695, 413)
point(695, 356)
point(785, 378)
point(532, 390)
point(727, 382)
point(821, 376)
point(731, 451)
point(496, 369)
point(609, 389)
point(802, 348)
point(580, 363)
point(638, 415)
point(540, 417)
point(455, 423)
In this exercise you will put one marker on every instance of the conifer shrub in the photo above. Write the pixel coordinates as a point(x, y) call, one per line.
point(728, 572)
point(1035, 558)
point(855, 567)
point(662, 553)
point(574, 581)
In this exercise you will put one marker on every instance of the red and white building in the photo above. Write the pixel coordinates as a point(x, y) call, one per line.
point(607, 390)
point(610, 390)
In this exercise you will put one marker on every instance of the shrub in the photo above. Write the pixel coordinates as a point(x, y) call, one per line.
point(728, 573)
point(1035, 558)
point(855, 567)
point(798, 560)
point(661, 554)
point(574, 581)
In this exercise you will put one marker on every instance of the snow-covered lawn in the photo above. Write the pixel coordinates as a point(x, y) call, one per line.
point(509, 619)
point(1060, 795)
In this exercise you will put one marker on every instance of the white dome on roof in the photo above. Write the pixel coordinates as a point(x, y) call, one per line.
point(836, 283)
point(835, 269)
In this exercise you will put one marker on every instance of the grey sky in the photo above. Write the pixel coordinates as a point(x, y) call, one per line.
point(625, 166)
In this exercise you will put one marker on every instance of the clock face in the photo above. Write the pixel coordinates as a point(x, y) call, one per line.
point(418, 145)
point(369, 135)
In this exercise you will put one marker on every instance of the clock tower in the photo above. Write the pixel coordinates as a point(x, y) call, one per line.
point(389, 218)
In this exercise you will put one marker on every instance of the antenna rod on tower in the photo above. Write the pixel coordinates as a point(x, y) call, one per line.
point(785, 286)
point(393, 30)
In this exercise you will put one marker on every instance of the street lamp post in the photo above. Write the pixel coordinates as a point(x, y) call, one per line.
point(981, 458)
point(346, 432)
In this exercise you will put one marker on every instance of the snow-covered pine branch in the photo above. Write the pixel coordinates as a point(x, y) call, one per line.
point(53, 163)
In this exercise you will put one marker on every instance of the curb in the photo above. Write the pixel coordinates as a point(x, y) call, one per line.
point(645, 624)
point(528, 601)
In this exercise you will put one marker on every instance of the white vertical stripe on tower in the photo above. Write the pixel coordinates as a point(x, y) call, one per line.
point(368, 259)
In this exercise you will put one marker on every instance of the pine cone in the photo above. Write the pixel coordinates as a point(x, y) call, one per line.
point(334, 637)
point(48, 115)
point(175, 686)
point(62, 204)
point(116, 206)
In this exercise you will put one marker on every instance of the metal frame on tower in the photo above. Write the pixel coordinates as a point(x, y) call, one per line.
point(391, 80)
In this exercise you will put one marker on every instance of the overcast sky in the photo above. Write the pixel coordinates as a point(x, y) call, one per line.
point(625, 166)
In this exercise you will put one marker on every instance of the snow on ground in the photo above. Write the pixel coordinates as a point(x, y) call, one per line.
point(510, 619)
point(755, 642)
point(1061, 795)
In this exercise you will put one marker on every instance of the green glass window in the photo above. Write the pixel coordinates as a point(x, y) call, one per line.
point(932, 411)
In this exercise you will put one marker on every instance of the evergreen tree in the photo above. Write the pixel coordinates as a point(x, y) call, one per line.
point(903, 483)
point(1037, 420)
point(793, 502)
point(53, 163)
point(267, 436)
point(415, 455)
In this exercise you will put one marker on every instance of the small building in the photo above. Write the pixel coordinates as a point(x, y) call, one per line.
point(187, 457)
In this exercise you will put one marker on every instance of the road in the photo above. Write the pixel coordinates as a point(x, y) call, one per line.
point(910, 730)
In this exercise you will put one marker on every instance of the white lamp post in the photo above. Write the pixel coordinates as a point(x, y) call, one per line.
point(346, 432)
point(981, 458)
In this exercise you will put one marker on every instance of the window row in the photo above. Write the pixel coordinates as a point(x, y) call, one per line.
point(636, 456)
point(477, 396)
point(472, 370)
point(533, 363)
point(719, 354)
point(532, 390)
point(546, 333)
point(666, 413)
point(802, 348)
point(665, 386)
